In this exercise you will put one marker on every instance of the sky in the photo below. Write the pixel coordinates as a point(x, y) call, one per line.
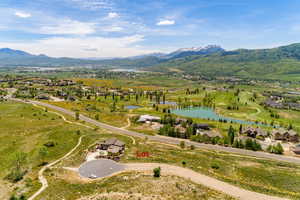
point(122, 28)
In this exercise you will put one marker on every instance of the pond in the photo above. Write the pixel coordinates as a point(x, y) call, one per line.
point(131, 107)
point(208, 113)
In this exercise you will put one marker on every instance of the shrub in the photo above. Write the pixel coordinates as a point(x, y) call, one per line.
point(215, 166)
point(182, 144)
point(277, 149)
point(156, 172)
point(16, 175)
point(49, 144)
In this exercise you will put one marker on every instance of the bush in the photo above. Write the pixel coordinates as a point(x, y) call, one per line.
point(49, 144)
point(277, 149)
point(16, 175)
point(156, 172)
point(182, 144)
point(215, 166)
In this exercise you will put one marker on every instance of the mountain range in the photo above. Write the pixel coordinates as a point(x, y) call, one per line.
point(278, 63)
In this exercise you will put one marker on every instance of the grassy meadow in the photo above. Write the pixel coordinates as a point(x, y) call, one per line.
point(26, 129)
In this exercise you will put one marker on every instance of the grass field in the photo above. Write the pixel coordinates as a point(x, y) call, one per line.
point(32, 127)
point(264, 176)
point(26, 129)
point(260, 175)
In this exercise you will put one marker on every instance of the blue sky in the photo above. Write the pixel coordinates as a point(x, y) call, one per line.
point(120, 28)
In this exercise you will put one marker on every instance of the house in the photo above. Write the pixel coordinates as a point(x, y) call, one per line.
point(112, 145)
point(284, 135)
point(180, 129)
point(71, 98)
point(201, 126)
point(209, 134)
point(148, 118)
point(180, 120)
point(43, 97)
point(254, 132)
point(296, 149)
point(274, 104)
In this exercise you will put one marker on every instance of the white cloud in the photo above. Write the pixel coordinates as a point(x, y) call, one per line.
point(93, 4)
point(112, 15)
point(22, 14)
point(80, 47)
point(68, 26)
point(112, 29)
point(165, 22)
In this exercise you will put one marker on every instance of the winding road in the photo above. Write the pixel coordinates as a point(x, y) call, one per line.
point(207, 181)
point(167, 169)
point(103, 168)
point(169, 140)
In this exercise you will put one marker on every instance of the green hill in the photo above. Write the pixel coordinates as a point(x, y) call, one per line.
point(278, 63)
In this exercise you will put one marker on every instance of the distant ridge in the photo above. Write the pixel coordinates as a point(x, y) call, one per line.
point(210, 61)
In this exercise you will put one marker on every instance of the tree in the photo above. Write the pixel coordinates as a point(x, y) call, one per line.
point(77, 116)
point(279, 148)
point(20, 159)
point(192, 147)
point(18, 171)
point(97, 117)
point(156, 172)
point(182, 144)
point(231, 134)
point(241, 129)
point(290, 127)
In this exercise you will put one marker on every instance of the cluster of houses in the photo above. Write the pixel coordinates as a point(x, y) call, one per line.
point(277, 101)
point(47, 82)
point(277, 134)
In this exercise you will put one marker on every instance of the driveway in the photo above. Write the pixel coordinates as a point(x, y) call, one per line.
point(99, 168)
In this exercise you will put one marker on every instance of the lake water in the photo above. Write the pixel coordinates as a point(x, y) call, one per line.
point(207, 113)
point(131, 107)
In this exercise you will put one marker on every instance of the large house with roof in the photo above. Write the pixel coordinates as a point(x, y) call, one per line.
point(254, 132)
point(112, 146)
point(285, 135)
point(148, 118)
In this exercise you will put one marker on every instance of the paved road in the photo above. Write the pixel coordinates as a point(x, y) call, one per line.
point(170, 140)
point(99, 168)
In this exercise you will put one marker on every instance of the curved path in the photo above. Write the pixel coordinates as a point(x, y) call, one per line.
point(207, 181)
point(106, 168)
point(170, 140)
point(42, 179)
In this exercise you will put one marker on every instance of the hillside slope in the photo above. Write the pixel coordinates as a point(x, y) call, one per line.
point(277, 62)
